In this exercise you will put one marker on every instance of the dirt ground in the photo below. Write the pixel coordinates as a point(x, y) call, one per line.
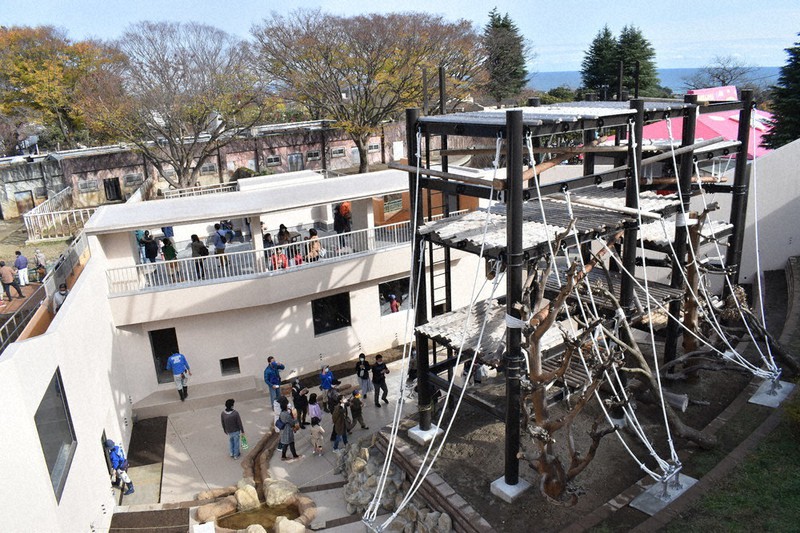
point(473, 456)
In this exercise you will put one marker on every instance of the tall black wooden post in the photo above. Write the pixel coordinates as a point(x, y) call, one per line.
point(418, 251)
point(514, 292)
point(632, 201)
point(681, 228)
point(741, 186)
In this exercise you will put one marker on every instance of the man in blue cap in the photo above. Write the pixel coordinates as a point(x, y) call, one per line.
point(272, 377)
point(120, 466)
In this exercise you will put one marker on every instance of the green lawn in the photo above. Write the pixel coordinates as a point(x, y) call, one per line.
point(762, 494)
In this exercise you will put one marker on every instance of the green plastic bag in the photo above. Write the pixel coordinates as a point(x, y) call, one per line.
point(243, 442)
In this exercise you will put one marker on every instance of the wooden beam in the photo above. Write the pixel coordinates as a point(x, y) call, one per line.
point(498, 184)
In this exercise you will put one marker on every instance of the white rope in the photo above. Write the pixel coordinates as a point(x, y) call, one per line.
point(635, 167)
point(735, 356)
point(419, 478)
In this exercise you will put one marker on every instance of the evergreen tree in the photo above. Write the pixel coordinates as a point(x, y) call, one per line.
point(631, 47)
point(599, 67)
point(786, 102)
point(505, 57)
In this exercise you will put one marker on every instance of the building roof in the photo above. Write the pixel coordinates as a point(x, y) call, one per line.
point(186, 210)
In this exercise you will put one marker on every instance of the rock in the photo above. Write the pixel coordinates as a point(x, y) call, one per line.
point(358, 465)
point(363, 497)
point(363, 453)
point(372, 481)
point(432, 520)
point(247, 498)
point(255, 528)
point(278, 491)
point(284, 525)
point(215, 493)
point(445, 524)
point(351, 509)
point(398, 524)
point(245, 481)
point(211, 511)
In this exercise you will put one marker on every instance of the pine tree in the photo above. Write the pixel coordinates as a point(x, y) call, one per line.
point(505, 57)
point(631, 47)
point(786, 102)
point(599, 67)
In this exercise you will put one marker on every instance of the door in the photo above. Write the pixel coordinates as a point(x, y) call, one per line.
point(164, 343)
point(24, 201)
point(295, 162)
point(112, 188)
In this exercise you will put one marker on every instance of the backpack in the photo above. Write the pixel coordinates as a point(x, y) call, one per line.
point(203, 250)
point(280, 424)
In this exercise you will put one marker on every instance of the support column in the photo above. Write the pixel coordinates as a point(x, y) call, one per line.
point(418, 251)
point(509, 487)
point(681, 227)
point(741, 186)
point(632, 201)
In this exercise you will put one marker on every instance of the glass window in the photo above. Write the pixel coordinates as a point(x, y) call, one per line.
point(338, 152)
point(56, 435)
point(373, 147)
point(313, 155)
point(397, 288)
point(331, 313)
point(273, 161)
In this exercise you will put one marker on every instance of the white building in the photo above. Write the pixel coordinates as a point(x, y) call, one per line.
point(101, 361)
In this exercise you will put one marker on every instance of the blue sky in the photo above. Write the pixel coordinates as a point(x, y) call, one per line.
point(684, 34)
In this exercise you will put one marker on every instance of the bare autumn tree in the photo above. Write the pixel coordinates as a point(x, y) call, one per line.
point(183, 91)
point(723, 70)
point(364, 70)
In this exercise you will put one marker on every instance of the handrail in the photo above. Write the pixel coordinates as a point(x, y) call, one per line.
point(51, 225)
point(56, 203)
point(276, 260)
point(201, 190)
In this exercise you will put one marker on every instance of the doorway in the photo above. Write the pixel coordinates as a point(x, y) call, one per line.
point(112, 188)
point(24, 201)
point(295, 162)
point(164, 342)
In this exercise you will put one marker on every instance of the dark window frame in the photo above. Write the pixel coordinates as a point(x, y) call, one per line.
point(331, 313)
point(58, 466)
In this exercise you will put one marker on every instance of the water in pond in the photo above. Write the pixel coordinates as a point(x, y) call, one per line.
point(264, 515)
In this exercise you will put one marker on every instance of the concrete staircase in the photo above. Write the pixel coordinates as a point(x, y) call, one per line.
point(166, 402)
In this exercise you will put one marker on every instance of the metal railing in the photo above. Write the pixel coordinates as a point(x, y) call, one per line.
point(54, 219)
point(275, 260)
point(13, 326)
point(201, 190)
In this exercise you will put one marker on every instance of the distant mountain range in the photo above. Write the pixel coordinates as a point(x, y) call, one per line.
point(670, 77)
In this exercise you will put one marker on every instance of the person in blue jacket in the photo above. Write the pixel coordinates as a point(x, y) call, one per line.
point(120, 466)
point(180, 368)
point(272, 377)
point(326, 378)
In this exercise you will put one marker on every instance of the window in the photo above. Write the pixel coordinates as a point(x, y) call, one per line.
point(273, 161)
point(331, 313)
point(85, 186)
point(338, 152)
point(56, 434)
point(208, 168)
point(314, 155)
point(373, 147)
point(132, 180)
point(164, 342)
point(229, 365)
point(397, 288)
point(392, 203)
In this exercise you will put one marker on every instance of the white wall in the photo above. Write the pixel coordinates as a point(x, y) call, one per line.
point(82, 346)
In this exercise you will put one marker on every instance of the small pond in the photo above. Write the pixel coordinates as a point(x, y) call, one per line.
point(264, 515)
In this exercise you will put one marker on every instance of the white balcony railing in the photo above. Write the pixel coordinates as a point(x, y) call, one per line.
point(276, 260)
point(201, 190)
point(55, 218)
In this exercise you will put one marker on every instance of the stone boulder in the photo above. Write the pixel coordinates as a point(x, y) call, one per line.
point(284, 525)
point(245, 481)
point(247, 498)
point(215, 493)
point(211, 511)
point(278, 492)
point(255, 528)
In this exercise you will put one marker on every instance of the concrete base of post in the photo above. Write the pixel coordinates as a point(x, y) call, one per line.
point(424, 437)
point(772, 394)
point(508, 493)
point(659, 495)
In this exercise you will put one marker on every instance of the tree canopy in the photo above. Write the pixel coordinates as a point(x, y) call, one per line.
point(363, 70)
point(506, 55)
point(40, 72)
point(600, 65)
point(183, 90)
point(786, 102)
point(722, 71)
point(599, 69)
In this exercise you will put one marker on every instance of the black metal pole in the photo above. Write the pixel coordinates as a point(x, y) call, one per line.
point(513, 292)
point(632, 201)
point(681, 228)
point(418, 251)
point(636, 66)
point(620, 133)
point(741, 186)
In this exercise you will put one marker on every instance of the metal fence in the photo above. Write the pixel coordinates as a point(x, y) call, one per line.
point(13, 326)
point(253, 263)
point(201, 190)
point(54, 219)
